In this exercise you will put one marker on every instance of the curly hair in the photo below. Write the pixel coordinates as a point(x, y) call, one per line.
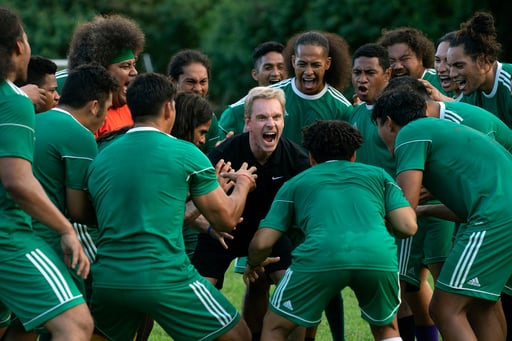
point(103, 38)
point(12, 30)
point(478, 35)
point(422, 46)
point(192, 110)
point(339, 73)
point(402, 105)
point(331, 140)
point(184, 58)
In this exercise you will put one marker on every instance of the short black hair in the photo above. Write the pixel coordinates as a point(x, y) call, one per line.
point(402, 105)
point(408, 82)
point(147, 93)
point(264, 48)
point(373, 50)
point(86, 83)
point(38, 68)
point(331, 140)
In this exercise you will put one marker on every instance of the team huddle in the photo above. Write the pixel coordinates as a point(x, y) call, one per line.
point(124, 198)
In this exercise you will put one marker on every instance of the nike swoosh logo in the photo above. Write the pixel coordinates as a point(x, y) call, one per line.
point(277, 177)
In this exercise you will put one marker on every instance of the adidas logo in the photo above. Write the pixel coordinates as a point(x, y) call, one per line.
point(474, 282)
point(288, 305)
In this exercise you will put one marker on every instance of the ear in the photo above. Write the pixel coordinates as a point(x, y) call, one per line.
point(293, 59)
point(387, 73)
point(173, 81)
point(328, 63)
point(94, 106)
point(254, 75)
point(483, 63)
point(20, 46)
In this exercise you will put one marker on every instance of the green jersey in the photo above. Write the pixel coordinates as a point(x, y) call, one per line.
point(301, 110)
point(63, 152)
point(373, 151)
point(139, 184)
point(340, 207)
point(16, 140)
point(461, 167)
point(479, 119)
point(499, 100)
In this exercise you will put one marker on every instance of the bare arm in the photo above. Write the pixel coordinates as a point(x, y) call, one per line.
point(223, 211)
point(259, 250)
point(410, 182)
point(402, 222)
point(439, 211)
point(19, 181)
point(79, 206)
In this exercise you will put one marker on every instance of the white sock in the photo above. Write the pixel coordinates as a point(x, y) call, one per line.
point(398, 338)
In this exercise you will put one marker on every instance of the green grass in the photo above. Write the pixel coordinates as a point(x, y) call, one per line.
point(355, 327)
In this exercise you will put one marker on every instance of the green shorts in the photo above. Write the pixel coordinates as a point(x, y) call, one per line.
point(36, 286)
point(301, 297)
point(240, 264)
point(190, 310)
point(5, 316)
point(480, 264)
point(430, 245)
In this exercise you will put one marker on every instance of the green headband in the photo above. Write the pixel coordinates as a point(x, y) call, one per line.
point(123, 55)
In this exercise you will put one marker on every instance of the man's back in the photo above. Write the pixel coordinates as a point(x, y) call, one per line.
point(139, 184)
point(462, 167)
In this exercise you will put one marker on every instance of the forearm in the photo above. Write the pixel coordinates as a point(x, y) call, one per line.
point(192, 214)
point(31, 197)
point(439, 211)
point(257, 254)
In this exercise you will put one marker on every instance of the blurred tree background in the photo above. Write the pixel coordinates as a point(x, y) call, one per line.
point(228, 30)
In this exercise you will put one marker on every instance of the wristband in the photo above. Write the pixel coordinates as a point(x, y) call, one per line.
point(247, 176)
point(209, 229)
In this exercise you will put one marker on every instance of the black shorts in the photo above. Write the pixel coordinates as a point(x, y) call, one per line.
point(212, 260)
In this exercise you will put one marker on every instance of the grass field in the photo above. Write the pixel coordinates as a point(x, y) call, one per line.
point(355, 327)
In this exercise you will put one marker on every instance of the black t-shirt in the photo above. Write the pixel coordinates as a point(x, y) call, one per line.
point(288, 160)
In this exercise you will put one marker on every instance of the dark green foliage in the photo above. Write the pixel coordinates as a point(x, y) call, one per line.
point(228, 30)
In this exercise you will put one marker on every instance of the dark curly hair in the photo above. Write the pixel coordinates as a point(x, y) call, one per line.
point(331, 140)
point(478, 35)
point(339, 73)
point(402, 105)
point(422, 46)
point(12, 30)
point(103, 38)
point(192, 110)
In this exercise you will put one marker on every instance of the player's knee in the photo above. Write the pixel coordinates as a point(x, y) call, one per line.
point(240, 332)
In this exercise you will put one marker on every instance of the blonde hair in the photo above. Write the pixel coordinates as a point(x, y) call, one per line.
point(262, 92)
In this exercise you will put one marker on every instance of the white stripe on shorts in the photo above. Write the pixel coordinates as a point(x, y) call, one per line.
point(209, 302)
point(277, 296)
point(86, 240)
point(52, 275)
point(405, 246)
point(466, 259)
